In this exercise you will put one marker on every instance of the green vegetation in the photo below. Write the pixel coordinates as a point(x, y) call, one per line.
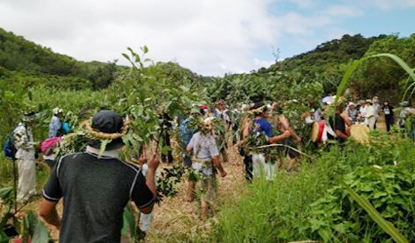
point(313, 203)
point(322, 201)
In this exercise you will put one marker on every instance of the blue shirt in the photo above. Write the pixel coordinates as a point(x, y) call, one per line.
point(54, 127)
point(262, 125)
point(185, 132)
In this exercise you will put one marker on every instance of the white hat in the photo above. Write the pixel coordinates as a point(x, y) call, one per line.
point(57, 110)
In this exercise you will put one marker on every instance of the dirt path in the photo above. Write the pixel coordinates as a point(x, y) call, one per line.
point(174, 218)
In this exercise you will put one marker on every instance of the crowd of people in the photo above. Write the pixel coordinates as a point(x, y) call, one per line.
point(96, 185)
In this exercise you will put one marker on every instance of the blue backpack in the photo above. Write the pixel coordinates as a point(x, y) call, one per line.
point(9, 150)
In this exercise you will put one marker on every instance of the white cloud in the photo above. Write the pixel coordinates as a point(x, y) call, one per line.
point(391, 4)
point(303, 3)
point(297, 24)
point(343, 11)
point(211, 37)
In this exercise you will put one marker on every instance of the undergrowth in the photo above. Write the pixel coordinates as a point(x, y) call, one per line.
point(311, 205)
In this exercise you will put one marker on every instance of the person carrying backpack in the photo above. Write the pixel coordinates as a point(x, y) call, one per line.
point(25, 157)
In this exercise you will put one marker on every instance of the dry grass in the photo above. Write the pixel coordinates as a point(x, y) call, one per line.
point(176, 220)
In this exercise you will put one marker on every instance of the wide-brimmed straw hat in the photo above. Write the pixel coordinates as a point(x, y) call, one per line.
point(106, 125)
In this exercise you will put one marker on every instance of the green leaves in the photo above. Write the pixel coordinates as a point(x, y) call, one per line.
point(131, 221)
point(385, 193)
point(375, 215)
point(35, 228)
point(5, 193)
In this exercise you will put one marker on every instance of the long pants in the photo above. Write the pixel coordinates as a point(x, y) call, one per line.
point(27, 179)
point(248, 167)
point(263, 168)
point(169, 156)
point(389, 122)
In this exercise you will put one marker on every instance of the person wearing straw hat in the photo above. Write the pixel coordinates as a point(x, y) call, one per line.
point(258, 132)
point(96, 185)
point(25, 157)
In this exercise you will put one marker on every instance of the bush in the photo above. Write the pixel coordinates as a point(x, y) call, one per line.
point(310, 204)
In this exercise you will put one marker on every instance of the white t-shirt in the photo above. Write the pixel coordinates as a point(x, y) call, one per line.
point(376, 108)
point(370, 111)
point(204, 145)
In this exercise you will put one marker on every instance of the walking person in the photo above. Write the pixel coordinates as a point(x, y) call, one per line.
point(97, 185)
point(388, 112)
point(222, 113)
point(370, 115)
point(376, 109)
point(206, 161)
point(25, 157)
point(258, 132)
point(55, 124)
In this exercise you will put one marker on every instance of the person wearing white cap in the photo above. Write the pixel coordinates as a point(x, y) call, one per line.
point(55, 124)
point(25, 157)
point(352, 111)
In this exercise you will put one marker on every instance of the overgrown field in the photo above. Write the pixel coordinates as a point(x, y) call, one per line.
point(317, 201)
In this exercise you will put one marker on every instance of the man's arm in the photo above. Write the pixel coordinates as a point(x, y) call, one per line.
point(218, 164)
point(286, 134)
point(245, 131)
point(151, 182)
point(47, 211)
point(340, 134)
point(346, 118)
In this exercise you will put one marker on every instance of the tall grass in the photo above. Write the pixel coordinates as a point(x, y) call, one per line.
point(280, 210)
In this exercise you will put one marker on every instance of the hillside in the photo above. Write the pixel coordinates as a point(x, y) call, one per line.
point(328, 62)
point(24, 61)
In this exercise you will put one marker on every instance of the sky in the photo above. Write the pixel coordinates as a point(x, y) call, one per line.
point(210, 37)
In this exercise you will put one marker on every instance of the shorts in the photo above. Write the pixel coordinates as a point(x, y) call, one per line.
point(284, 151)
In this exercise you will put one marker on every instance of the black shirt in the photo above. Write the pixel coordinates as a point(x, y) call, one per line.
point(95, 192)
point(337, 124)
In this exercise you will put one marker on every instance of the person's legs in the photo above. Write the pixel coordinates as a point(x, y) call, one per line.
point(208, 197)
point(372, 122)
point(191, 186)
point(27, 179)
point(388, 124)
point(224, 155)
point(248, 167)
